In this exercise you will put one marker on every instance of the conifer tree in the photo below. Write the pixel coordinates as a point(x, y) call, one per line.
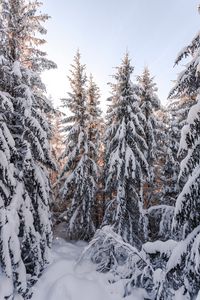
point(187, 85)
point(55, 118)
point(29, 203)
point(161, 159)
point(94, 112)
point(79, 175)
point(125, 162)
point(177, 111)
point(183, 266)
point(95, 124)
point(149, 104)
point(11, 263)
point(160, 214)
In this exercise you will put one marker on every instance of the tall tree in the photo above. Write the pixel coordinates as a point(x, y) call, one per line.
point(125, 158)
point(149, 105)
point(79, 175)
point(95, 125)
point(29, 203)
point(160, 214)
point(93, 111)
point(187, 85)
point(55, 118)
point(11, 264)
point(185, 257)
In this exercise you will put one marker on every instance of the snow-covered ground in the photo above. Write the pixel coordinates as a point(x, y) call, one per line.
point(65, 279)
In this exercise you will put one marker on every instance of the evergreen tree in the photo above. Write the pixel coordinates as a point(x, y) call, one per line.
point(79, 175)
point(161, 159)
point(94, 112)
point(125, 162)
point(176, 112)
point(187, 85)
point(55, 118)
point(160, 214)
point(149, 104)
point(11, 263)
point(183, 266)
point(28, 204)
point(95, 124)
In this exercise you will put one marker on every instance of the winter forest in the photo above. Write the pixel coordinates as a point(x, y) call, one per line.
point(92, 206)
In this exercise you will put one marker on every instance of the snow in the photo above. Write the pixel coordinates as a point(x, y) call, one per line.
point(158, 207)
point(180, 294)
point(194, 112)
point(183, 144)
point(158, 275)
point(17, 69)
point(5, 286)
point(161, 247)
point(198, 296)
point(65, 279)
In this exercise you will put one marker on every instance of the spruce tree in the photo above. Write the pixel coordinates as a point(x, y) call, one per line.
point(93, 111)
point(125, 162)
point(95, 124)
point(11, 264)
point(57, 207)
point(79, 175)
point(183, 266)
point(161, 136)
point(176, 115)
point(160, 214)
point(29, 203)
point(187, 85)
point(149, 105)
point(55, 118)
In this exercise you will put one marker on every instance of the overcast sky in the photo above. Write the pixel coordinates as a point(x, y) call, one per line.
point(153, 31)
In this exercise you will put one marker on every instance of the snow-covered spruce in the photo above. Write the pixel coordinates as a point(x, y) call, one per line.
point(125, 162)
point(187, 211)
point(160, 196)
point(79, 176)
point(57, 147)
point(12, 269)
point(177, 111)
point(25, 219)
point(182, 97)
point(149, 104)
point(95, 124)
point(188, 84)
point(187, 214)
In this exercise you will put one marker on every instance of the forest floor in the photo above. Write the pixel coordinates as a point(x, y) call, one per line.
point(65, 279)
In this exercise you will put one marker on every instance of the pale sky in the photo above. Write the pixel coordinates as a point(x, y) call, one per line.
point(153, 31)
